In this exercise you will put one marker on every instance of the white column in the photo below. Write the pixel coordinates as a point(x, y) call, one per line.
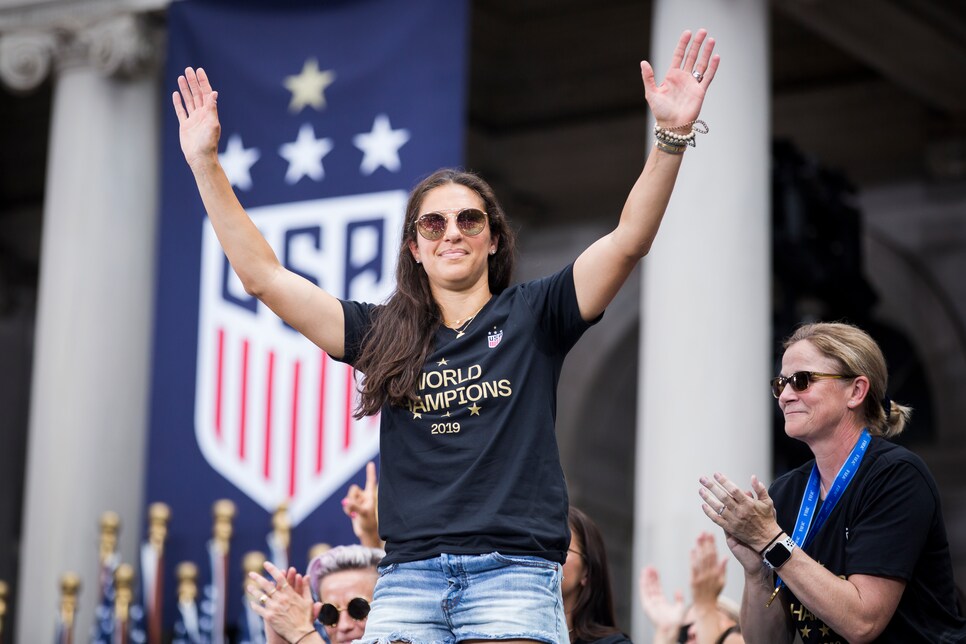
point(706, 339)
point(89, 402)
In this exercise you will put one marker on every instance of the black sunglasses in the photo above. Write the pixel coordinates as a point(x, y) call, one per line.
point(358, 610)
point(432, 225)
point(800, 380)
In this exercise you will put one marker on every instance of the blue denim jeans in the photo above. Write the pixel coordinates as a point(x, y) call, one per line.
point(450, 598)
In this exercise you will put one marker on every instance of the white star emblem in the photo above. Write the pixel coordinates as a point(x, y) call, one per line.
point(305, 155)
point(308, 86)
point(237, 162)
point(380, 146)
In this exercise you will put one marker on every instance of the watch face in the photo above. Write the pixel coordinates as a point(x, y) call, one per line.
point(779, 553)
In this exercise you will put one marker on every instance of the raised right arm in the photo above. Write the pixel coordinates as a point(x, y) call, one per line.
point(303, 305)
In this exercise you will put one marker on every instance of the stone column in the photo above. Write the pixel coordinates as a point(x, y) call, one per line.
point(705, 338)
point(89, 400)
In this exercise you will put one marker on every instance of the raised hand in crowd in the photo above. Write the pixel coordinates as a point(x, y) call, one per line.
point(361, 506)
point(710, 619)
point(291, 613)
point(666, 615)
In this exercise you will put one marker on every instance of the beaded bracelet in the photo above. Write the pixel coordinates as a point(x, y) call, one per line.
point(669, 141)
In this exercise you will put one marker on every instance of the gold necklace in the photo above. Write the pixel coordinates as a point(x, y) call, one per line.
point(460, 330)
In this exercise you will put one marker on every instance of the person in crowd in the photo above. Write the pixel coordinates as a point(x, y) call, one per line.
point(360, 504)
point(851, 546)
point(711, 618)
point(587, 593)
point(462, 368)
point(343, 578)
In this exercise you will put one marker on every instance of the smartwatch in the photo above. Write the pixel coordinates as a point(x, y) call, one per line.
point(780, 552)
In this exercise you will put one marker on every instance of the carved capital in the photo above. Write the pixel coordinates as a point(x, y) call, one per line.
point(119, 44)
point(122, 46)
point(25, 59)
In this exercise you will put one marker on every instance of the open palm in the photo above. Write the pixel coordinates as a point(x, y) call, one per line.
point(197, 110)
point(678, 99)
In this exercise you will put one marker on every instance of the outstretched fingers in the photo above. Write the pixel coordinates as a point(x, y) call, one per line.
point(647, 75)
point(203, 83)
point(179, 107)
point(371, 480)
point(189, 100)
point(681, 48)
point(197, 95)
point(694, 49)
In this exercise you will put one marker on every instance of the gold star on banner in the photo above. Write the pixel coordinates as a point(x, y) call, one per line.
point(446, 415)
point(416, 415)
point(805, 631)
point(441, 362)
point(474, 410)
point(308, 86)
point(825, 630)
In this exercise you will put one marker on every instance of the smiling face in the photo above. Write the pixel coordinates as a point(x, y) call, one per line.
point(826, 405)
point(455, 261)
point(338, 589)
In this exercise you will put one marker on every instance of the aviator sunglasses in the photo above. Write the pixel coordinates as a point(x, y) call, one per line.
point(432, 225)
point(358, 610)
point(800, 380)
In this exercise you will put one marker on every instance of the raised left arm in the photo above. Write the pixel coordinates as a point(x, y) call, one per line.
point(601, 270)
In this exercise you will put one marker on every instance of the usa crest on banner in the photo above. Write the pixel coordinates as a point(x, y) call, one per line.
point(330, 113)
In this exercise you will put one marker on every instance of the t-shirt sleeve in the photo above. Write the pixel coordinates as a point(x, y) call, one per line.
point(892, 521)
point(358, 319)
point(553, 300)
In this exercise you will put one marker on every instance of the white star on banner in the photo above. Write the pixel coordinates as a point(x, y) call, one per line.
point(380, 146)
point(305, 155)
point(237, 162)
point(308, 86)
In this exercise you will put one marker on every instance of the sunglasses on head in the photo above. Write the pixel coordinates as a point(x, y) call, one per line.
point(358, 610)
point(800, 380)
point(432, 225)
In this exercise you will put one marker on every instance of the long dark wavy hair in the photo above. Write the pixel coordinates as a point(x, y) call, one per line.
point(593, 612)
point(400, 339)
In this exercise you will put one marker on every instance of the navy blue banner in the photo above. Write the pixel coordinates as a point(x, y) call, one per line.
point(330, 113)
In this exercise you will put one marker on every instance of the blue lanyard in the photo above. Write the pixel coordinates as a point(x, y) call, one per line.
point(808, 523)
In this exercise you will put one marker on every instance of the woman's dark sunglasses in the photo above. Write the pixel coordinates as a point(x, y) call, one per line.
point(800, 380)
point(358, 610)
point(432, 225)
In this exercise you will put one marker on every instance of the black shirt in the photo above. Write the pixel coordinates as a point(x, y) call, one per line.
point(473, 467)
point(888, 523)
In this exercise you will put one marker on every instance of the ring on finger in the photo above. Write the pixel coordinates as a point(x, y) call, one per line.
point(721, 510)
point(698, 76)
point(263, 599)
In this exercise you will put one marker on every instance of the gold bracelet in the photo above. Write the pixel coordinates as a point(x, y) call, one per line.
point(669, 148)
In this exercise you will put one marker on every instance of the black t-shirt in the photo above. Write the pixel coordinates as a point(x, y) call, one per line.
point(888, 523)
point(473, 467)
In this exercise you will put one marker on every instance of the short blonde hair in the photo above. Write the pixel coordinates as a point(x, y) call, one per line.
point(859, 355)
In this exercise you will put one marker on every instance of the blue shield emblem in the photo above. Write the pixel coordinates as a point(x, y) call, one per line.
point(273, 412)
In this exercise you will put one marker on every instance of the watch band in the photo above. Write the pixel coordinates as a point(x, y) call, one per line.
point(779, 553)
